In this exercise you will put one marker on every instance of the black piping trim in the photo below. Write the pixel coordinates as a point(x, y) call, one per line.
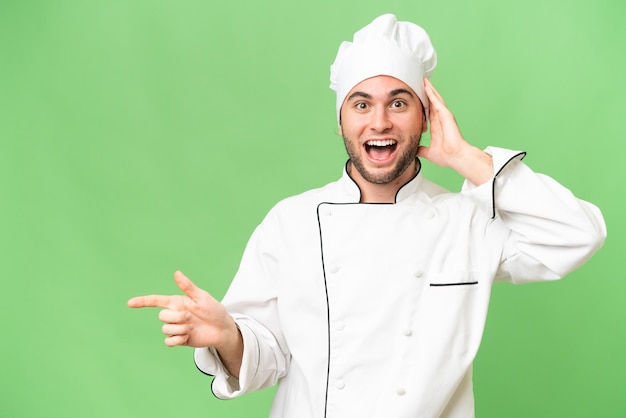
point(453, 284)
point(207, 374)
point(319, 225)
point(200, 370)
point(353, 181)
point(419, 169)
point(493, 182)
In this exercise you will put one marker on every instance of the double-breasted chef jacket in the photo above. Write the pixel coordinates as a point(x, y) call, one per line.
point(377, 310)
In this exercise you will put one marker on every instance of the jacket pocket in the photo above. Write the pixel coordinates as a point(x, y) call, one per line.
point(455, 279)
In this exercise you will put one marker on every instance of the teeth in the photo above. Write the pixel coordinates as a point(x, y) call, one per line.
point(381, 143)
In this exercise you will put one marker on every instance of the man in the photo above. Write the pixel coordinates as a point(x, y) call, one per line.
point(368, 297)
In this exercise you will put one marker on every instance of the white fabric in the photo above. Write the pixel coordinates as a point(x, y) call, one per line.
point(384, 47)
point(377, 310)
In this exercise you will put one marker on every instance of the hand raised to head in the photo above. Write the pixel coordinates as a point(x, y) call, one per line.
point(447, 143)
point(447, 146)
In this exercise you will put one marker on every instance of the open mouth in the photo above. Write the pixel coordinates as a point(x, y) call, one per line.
point(380, 149)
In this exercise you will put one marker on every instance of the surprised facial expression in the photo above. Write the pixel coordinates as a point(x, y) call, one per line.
point(382, 121)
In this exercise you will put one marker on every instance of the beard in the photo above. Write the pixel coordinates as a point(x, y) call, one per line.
point(403, 161)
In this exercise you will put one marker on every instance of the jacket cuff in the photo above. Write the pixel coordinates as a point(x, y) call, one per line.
point(485, 194)
point(226, 386)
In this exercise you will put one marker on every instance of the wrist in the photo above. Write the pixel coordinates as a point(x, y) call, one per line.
point(230, 351)
point(475, 165)
point(231, 336)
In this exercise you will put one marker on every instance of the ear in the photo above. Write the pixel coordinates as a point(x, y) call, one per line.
point(424, 123)
point(340, 129)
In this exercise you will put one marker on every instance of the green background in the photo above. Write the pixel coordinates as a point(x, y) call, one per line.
point(141, 137)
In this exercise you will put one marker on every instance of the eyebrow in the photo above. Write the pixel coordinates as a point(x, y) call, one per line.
point(359, 94)
point(392, 93)
point(397, 92)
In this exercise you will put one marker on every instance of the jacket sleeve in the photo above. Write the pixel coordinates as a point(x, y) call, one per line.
point(549, 232)
point(251, 300)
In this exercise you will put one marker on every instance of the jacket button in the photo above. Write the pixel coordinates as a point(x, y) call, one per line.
point(400, 391)
point(407, 332)
point(418, 274)
point(340, 385)
point(339, 326)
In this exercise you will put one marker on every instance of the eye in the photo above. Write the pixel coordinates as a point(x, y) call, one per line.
point(398, 104)
point(361, 106)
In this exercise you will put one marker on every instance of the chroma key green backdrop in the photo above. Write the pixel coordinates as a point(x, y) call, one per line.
point(141, 137)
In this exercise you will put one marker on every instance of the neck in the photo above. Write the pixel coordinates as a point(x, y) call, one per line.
point(382, 193)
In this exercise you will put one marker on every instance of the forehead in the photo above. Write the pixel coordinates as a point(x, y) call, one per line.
point(381, 85)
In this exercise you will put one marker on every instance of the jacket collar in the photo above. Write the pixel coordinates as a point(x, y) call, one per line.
point(353, 192)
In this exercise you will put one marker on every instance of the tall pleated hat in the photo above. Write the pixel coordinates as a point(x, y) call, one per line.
point(386, 46)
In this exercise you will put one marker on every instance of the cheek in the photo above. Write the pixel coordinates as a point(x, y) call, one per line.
point(352, 126)
point(422, 125)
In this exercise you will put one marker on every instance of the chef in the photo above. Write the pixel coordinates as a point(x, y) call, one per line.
point(368, 297)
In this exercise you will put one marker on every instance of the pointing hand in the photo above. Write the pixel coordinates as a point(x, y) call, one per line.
point(195, 319)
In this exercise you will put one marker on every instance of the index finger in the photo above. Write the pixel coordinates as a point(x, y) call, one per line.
point(150, 301)
point(432, 93)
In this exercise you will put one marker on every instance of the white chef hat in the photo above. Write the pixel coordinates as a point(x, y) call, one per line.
point(384, 47)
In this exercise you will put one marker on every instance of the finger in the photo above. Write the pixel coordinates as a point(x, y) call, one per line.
point(429, 87)
point(176, 329)
point(434, 117)
point(174, 340)
point(433, 95)
point(439, 112)
point(187, 286)
point(151, 301)
point(174, 317)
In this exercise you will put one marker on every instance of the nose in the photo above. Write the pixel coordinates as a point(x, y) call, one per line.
point(380, 120)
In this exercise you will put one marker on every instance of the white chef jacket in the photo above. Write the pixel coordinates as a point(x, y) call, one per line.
point(377, 310)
